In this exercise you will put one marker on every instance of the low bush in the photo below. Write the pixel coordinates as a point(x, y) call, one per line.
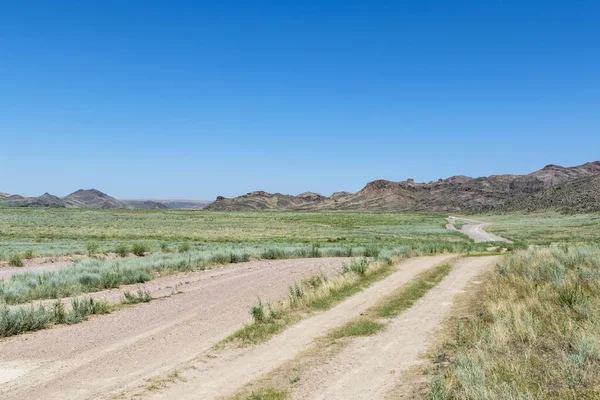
point(122, 250)
point(142, 296)
point(139, 249)
point(184, 247)
point(15, 261)
point(91, 248)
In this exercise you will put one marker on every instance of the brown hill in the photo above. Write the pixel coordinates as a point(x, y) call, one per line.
point(261, 200)
point(453, 194)
point(45, 200)
point(146, 205)
point(93, 199)
point(578, 196)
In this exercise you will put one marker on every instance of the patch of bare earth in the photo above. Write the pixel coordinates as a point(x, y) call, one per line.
point(106, 354)
point(216, 374)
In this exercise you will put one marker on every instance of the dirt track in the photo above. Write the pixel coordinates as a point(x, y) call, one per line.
point(474, 230)
point(118, 353)
point(107, 353)
point(371, 367)
point(214, 375)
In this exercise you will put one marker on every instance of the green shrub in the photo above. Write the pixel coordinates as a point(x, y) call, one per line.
point(272, 254)
point(184, 247)
point(28, 255)
point(15, 261)
point(91, 248)
point(357, 266)
point(142, 296)
point(122, 250)
point(139, 249)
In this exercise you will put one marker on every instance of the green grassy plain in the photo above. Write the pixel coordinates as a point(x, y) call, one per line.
point(51, 232)
point(545, 228)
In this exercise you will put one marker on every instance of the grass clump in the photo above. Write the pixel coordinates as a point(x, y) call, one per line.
point(91, 248)
point(357, 266)
point(122, 250)
point(532, 332)
point(21, 319)
point(358, 327)
point(140, 249)
point(142, 296)
point(407, 296)
point(371, 321)
point(184, 247)
point(267, 394)
point(15, 261)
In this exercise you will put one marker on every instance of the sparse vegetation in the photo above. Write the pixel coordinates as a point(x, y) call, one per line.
point(91, 248)
point(409, 294)
point(311, 295)
point(142, 296)
point(21, 319)
point(459, 224)
point(358, 327)
point(184, 247)
point(15, 261)
point(372, 320)
point(139, 249)
point(531, 333)
point(122, 250)
point(267, 394)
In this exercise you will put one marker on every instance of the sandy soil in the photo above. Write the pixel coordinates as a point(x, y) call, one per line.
point(222, 373)
point(372, 367)
point(99, 357)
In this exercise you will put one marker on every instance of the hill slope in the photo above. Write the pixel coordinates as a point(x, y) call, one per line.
point(456, 193)
point(578, 196)
point(93, 199)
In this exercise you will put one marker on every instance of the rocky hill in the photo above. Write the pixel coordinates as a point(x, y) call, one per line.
point(266, 201)
point(173, 204)
point(578, 196)
point(146, 205)
point(93, 199)
point(457, 193)
point(87, 199)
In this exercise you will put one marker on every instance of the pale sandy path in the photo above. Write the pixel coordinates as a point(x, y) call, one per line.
point(474, 230)
point(370, 367)
point(107, 353)
point(223, 373)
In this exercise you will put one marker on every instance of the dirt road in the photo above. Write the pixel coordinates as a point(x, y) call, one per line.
point(371, 367)
point(222, 373)
point(474, 229)
point(107, 353)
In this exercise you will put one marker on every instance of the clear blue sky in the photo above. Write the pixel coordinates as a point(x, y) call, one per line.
point(194, 99)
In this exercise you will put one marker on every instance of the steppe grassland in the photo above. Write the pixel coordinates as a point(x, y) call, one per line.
point(531, 331)
point(50, 232)
point(545, 228)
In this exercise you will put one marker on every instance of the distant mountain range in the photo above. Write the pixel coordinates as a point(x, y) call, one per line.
point(96, 200)
point(573, 189)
